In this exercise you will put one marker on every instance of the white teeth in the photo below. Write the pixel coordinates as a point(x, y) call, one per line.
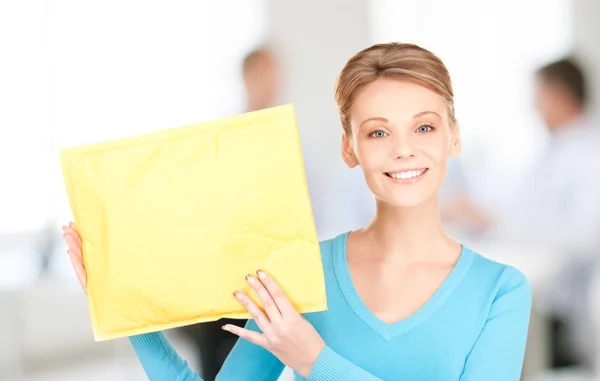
point(406, 175)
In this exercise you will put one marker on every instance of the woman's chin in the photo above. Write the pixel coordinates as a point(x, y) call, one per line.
point(410, 200)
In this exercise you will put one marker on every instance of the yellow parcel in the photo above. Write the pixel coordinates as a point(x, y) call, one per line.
point(172, 221)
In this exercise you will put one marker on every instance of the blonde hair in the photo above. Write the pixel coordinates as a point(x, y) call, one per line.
point(407, 62)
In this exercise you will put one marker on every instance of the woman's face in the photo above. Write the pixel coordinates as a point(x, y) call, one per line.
point(401, 137)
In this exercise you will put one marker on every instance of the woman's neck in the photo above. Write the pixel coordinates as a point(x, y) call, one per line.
point(408, 234)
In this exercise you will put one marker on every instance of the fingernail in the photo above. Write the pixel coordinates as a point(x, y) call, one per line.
point(225, 328)
point(237, 294)
point(261, 274)
point(250, 279)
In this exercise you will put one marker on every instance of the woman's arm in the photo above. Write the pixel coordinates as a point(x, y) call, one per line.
point(245, 362)
point(498, 353)
point(160, 360)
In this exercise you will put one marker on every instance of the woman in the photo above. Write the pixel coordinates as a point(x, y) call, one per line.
point(405, 301)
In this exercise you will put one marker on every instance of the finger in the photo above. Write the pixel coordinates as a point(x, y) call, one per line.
point(78, 236)
point(280, 298)
point(79, 269)
point(251, 336)
point(72, 243)
point(74, 233)
point(265, 298)
point(259, 317)
point(76, 243)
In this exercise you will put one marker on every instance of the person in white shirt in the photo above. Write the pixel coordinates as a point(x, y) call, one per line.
point(559, 201)
point(557, 206)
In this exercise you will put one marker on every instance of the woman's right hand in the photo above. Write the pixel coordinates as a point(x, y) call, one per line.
point(73, 240)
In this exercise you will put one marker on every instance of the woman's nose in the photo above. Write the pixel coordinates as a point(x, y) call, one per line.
point(403, 147)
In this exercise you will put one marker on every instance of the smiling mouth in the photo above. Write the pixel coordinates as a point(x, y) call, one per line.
point(408, 174)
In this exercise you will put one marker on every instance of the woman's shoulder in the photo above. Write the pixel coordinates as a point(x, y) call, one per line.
point(501, 276)
point(333, 248)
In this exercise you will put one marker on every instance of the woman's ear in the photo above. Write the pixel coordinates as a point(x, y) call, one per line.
point(456, 144)
point(348, 152)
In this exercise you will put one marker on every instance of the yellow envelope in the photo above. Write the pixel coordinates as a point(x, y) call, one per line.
point(172, 221)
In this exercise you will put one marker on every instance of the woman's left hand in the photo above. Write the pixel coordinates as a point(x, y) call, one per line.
point(285, 333)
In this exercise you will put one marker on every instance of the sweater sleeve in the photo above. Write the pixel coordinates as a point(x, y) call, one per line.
point(245, 362)
point(498, 353)
point(160, 360)
point(330, 366)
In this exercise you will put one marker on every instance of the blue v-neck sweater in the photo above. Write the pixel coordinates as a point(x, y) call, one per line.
point(473, 328)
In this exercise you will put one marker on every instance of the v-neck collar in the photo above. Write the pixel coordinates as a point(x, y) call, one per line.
point(385, 330)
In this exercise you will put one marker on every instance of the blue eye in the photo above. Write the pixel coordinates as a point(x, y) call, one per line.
point(378, 134)
point(425, 128)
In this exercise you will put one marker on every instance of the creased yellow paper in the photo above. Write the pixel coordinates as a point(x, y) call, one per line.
point(172, 221)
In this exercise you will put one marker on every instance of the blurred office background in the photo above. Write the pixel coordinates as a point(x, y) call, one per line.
point(76, 72)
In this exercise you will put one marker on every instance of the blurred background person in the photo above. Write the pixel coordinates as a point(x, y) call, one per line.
point(557, 201)
point(261, 78)
point(557, 205)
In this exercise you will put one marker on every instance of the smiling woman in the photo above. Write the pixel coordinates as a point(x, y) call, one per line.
point(401, 108)
point(405, 301)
